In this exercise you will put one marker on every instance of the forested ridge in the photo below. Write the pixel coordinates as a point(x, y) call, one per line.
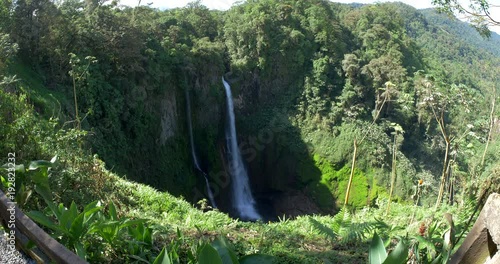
point(392, 105)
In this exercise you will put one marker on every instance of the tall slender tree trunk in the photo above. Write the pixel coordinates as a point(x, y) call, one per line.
point(451, 190)
point(444, 173)
point(450, 178)
point(76, 105)
point(492, 121)
point(393, 173)
point(353, 166)
point(355, 152)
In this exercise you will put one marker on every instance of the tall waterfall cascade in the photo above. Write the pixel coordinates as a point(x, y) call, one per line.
point(193, 151)
point(243, 200)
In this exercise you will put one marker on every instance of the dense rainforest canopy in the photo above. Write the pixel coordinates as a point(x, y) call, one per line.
point(383, 102)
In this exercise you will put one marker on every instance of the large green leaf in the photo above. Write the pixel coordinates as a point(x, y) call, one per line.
point(377, 253)
point(130, 222)
point(80, 250)
point(90, 210)
point(137, 232)
point(42, 219)
point(39, 164)
point(147, 236)
point(226, 253)
point(20, 168)
point(398, 255)
point(46, 193)
point(112, 211)
point(23, 195)
point(134, 233)
point(257, 259)
point(426, 244)
point(65, 219)
point(208, 255)
point(162, 258)
point(107, 230)
point(78, 225)
point(4, 181)
point(77, 229)
point(437, 259)
point(71, 215)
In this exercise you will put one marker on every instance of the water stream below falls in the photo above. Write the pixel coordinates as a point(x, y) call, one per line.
point(243, 201)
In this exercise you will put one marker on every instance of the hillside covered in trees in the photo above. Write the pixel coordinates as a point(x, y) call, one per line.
point(350, 119)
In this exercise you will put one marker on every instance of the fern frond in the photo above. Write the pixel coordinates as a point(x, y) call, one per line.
point(341, 220)
point(380, 225)
point(323, 229)
point(344, 228)
point(356, 232)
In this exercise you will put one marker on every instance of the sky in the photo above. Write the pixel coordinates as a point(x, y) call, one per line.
point(226, 4)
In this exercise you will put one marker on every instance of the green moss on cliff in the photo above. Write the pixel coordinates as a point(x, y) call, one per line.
point(329, 188)
point(359, 187)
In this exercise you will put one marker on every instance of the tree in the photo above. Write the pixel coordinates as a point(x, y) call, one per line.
point(490, 129)
point(443, 103)
point(438, 103)
point(398, 130)
point(8, 50)
point(477, 13)
point(390, 89)
point(78, 73)
point(5, 14)
point(32, 26)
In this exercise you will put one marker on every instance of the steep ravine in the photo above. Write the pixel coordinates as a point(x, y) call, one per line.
point(271, 158)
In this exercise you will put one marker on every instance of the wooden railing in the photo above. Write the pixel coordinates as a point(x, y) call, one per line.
point(482, 243)
point(26, 230)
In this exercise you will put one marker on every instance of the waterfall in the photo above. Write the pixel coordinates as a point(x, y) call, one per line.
point(193, 152)
point(243, 200)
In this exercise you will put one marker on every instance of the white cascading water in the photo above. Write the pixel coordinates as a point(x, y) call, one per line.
point(193, 152)
point(243, 200)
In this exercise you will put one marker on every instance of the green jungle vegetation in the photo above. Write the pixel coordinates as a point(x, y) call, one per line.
point(389, 106)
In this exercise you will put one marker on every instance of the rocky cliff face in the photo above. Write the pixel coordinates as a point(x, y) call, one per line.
point(169, 118)
point(265, 139)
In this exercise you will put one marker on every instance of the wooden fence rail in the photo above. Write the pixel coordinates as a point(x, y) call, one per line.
point(24, 228)
point(482, 244)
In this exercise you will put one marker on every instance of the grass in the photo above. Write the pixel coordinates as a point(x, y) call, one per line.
point(291, 241)
point(84, 179)
point(49, 103)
